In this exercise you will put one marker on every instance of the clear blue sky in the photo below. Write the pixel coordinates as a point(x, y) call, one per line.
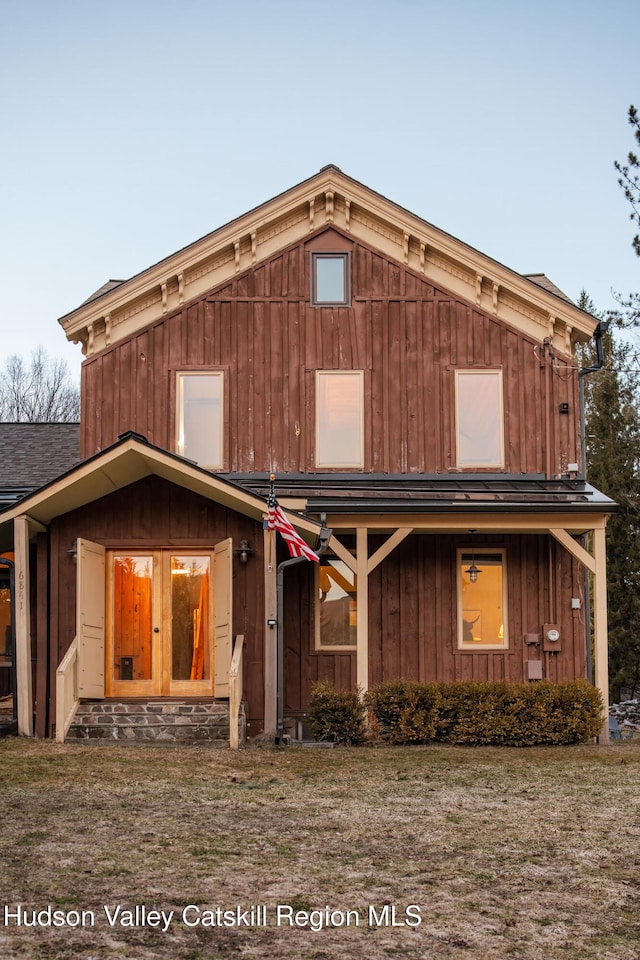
point(131, 128)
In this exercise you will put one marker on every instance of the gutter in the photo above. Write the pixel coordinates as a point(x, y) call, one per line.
point(601, 329)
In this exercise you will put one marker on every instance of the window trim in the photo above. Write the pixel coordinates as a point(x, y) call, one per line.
point(179, 413)
point(319, 647)
point(339, 466)
point(317, 255)
point(470, 647)
point(493, 371)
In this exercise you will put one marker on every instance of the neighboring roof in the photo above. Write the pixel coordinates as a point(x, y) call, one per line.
point(329, 198)
point(130, 459)
point(32, 454)
point(105, 288)
point(415, 494)
point(543, 281)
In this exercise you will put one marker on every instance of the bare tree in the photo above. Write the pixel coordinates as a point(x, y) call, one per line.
point(38, 391)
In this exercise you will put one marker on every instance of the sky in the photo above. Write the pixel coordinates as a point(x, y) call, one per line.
point(130, 129)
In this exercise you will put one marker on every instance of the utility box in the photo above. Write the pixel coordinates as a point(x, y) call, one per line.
point(551, 639)
point(533, 669)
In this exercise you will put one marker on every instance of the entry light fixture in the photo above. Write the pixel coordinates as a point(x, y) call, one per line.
point(244, 551)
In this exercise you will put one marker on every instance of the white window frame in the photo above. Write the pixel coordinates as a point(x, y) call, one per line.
point(470, 464)
point(357, 463)
point(181, 375)
point(329, 647)
point(479, 552)
point(345, 256)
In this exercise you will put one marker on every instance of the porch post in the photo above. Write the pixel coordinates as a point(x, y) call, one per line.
point(362, 628)
point(270, 633)
point(601, 662)
point(23, 627)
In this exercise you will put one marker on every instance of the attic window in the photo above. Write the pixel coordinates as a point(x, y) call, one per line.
point(330, 279)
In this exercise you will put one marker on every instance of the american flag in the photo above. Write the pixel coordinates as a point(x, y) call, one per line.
point(278, 521)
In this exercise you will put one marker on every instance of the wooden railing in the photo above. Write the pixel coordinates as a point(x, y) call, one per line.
point(235, 691)
point(66, 691)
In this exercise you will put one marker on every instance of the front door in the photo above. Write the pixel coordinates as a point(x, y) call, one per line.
point(160, 623)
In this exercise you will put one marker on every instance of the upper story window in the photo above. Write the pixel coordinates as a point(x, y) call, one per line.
point(479, 418)
point(199, 418)
point(482, 603)
point(340, 418)
point(330, 279)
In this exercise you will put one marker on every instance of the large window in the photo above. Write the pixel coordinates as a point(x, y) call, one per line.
point(336, 605)
point(199, 418)
point(339, 418)
point(479, 418)
point(482, 605)
point(330, 279)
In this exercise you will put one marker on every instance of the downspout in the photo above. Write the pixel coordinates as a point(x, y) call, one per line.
point(601, 328)
point(4, 561)
point(325, 535)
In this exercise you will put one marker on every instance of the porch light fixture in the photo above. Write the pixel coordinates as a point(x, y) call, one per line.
point(73, 552)
point(244, 551)
point(473, 570)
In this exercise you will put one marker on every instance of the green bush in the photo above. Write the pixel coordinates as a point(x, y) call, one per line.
point(336, 715)
point(402, 711)
point(476, 713)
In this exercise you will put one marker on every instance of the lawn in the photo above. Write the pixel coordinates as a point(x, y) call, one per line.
point(376, 853)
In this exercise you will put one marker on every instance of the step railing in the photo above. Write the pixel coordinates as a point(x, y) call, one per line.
point(235, 691)
point(67, 691)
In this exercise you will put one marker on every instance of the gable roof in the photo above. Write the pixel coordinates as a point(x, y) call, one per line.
point(120, 309)
point(33, 454)
point(130, 459)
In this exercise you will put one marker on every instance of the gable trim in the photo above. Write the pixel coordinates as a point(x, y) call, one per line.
point(333, 199)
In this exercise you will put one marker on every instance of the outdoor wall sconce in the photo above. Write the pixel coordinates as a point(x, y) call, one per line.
point(244, 551)
point(73, 552)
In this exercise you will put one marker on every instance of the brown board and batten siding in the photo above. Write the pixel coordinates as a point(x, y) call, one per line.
point(408, 337)
point(413, 618)
point(154, 513)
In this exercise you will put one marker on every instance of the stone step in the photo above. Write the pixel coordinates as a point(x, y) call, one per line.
point(143, 721)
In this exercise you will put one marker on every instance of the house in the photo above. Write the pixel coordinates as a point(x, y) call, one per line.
point(416, 400)
point(32, 454)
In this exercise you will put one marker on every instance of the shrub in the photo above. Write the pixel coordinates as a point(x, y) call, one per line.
point(402, 711)
point(336, 715)
point(477, 713)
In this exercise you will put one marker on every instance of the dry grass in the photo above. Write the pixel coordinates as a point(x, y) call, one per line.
point(531, 854)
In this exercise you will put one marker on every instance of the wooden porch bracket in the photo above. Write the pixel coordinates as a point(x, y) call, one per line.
point(362, 565)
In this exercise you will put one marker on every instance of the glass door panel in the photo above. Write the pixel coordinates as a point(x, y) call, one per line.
point(190, 620)
point(159, 639)
point(132, 618)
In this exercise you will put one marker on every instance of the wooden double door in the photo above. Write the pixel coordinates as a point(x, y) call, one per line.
point(168, 622)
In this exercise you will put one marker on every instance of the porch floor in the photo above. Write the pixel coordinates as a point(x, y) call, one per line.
point(169, 719)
